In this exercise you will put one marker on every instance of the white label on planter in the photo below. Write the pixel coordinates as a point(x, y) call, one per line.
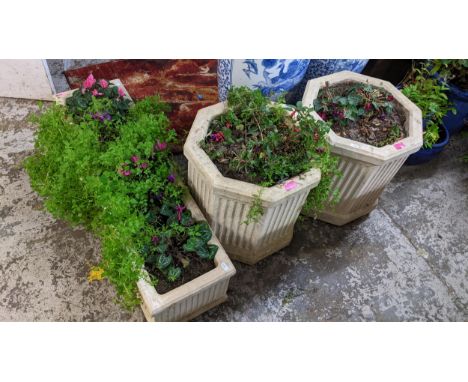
point(225, 267)
point(399, 145)
point(291, 185)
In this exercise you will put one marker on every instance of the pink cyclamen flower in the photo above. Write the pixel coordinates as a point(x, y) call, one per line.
point(179, 210)
point(322, 115)
point(144, 165)
point(96, 93)
point(121, 92)
point(160, 146)
point(104, 84)
point(134, 159)
point(125, 172)
point(89, 82)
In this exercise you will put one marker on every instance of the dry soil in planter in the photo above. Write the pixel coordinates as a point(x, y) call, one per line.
point(197, 268)
point(376, 127)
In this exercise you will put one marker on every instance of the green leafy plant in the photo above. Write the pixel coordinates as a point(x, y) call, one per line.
point(267, 143)
point(453, 71)
point(430, 96)
point(115, 175)
point(360, 112)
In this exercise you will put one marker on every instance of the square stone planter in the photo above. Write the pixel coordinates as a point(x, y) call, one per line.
point(226, 202)
point(195, 297)
point(366, 169)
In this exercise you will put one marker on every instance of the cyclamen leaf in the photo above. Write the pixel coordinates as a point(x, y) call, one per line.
point(163, 261)
point(208, 252)
point(161, 248)
point(193, 244)
point(173, 273)
point(205, 232)
point(213, 249)
point(186, 219)
point(167, 210)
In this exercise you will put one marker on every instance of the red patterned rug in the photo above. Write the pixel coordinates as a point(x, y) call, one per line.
point(187, 85)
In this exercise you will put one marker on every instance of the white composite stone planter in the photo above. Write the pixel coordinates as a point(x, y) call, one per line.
point(226, 202)
point(366, 169)
point(195, 297)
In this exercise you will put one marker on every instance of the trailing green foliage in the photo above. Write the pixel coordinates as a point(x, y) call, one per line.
point(268, 143)
point(108, 167)
point(430, 96)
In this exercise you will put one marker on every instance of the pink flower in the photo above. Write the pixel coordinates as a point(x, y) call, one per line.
point(179, 210)
point(96, 93)
point(125, 172)
point(89, 82)
point(217, 137)
point(104, 84)
point(144, 165)
point(155, 240)
point(367, 106)
point(121, 92)
point(160, 146)
point(322, 115)
point(134, 159)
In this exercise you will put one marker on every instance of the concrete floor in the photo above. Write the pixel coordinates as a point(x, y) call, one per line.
point(406, 261)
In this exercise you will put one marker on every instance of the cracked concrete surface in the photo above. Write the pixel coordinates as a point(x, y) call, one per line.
point(406, 261)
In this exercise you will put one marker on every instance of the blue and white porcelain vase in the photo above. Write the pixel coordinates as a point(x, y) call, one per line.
point(272, 76)
point(319, 68)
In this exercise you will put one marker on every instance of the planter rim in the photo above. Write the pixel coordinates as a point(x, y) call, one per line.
point(223, 269)
point(363, 151)
point(270, 195)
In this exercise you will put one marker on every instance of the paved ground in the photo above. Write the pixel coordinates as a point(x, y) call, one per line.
point(408, 260)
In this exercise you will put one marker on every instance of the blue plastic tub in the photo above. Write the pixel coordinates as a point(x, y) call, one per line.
point(455, 122)
point(425, 155)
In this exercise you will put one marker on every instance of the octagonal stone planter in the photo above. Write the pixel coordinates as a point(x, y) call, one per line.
point(366, 169)
point(195, 297)
point(226, 202)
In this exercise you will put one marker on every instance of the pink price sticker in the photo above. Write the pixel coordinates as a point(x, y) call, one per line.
point(399, 145)
point(291, 185)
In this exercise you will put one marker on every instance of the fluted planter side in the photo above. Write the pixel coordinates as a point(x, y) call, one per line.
point(366, 169)
point(226, 202)
point(195, 297)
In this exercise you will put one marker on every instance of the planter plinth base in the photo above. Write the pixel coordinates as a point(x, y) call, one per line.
point(342, 219)
point(190, 316)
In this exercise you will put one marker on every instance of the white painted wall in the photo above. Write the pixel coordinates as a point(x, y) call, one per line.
point(25, 79)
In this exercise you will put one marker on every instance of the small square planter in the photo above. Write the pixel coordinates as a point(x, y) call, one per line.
point(195, 297)
point(226, 202)
point(366, 169)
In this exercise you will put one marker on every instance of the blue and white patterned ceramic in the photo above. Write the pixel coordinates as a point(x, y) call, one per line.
point(272, 76)
point(319, 68)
